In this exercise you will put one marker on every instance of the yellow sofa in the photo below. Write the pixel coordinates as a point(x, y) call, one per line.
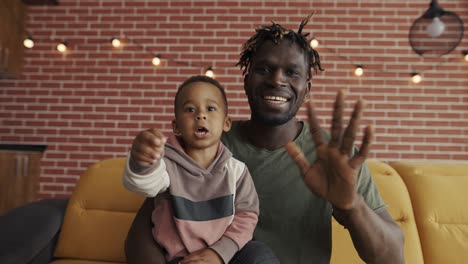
point(426, 199)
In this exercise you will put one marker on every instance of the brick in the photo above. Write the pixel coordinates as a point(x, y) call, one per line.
point(88, 94)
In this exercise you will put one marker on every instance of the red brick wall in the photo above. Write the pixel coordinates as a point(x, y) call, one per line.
point(88, 105)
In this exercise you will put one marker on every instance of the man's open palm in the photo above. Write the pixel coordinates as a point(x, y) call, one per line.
point(334, 173)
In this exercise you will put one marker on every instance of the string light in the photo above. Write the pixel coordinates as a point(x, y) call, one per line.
point(359, 70)
point(62, 47)
point(28, 42)
point(209, 72)
point(115, 42)
point(416, 77)
point(314, 43)
point(156, 60)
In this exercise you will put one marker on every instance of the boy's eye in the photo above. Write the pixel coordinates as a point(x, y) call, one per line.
point(211, 108)
point(189, 109)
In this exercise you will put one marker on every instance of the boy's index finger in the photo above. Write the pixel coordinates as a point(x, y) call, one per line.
point(154, 138)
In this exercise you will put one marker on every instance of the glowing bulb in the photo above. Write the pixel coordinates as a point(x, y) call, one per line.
point(359, 71)
point(436, 28)
point(28, 43)
point(314, 43)
point(156, 61)
point(116, 42)
point(416, 78)
point(62, 47)
point(209, 72)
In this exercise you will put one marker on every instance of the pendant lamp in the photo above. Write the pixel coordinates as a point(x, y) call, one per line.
point(436, 33)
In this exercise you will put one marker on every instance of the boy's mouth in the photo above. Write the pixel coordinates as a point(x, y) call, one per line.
point(201, 131)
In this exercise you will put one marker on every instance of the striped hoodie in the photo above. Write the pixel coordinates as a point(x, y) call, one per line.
point(196, 208)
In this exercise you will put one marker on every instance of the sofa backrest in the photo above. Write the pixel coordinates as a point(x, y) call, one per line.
point(99, 215)
point(395, 195)
point(440, 201)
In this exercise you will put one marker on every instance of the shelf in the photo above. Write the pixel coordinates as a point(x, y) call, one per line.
point(17, 147)
point(40, 2)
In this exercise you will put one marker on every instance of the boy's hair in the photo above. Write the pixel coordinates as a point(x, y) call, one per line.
point(205, 79)
point(276, 33)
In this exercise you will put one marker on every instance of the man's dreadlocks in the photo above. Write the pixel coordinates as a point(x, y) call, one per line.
point(276, 33)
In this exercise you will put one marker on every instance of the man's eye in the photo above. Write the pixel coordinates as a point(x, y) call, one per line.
point(189, 109)
point(211, 108)
point(293, 73)
point(262, 69)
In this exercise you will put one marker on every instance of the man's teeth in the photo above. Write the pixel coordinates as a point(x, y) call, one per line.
point(275, 99)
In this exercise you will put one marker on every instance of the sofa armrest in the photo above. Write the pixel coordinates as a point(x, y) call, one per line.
point(28, 233)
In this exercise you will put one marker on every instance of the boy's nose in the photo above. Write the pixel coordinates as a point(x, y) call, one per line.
point(201, 116)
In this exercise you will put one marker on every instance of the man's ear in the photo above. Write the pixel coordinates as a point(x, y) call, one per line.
point(227, 124)
point(175, 130)
point(307, 94)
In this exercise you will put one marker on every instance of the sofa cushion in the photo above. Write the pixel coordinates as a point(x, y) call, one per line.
point(99, 215)
point(438, 193)
point(395, 195)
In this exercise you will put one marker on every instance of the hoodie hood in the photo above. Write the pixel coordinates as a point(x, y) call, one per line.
point(175, 152)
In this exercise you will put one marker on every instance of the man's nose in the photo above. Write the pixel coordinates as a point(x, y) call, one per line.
point(279, 78)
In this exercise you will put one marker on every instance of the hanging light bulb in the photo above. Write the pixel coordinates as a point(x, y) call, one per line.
point(314, 43)
point(436, 28)
point(359, 70)
point(156, 60)
point(209, 72)
point(436, 32)
point(416, 77)
point(62, 47)
point(115, 42)
point(28, 42)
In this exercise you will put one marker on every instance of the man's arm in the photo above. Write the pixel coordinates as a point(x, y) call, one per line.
point(334, 176)
point(376, 237)
point(140, 246)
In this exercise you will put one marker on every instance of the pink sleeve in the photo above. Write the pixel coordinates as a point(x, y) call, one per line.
point(245, 219)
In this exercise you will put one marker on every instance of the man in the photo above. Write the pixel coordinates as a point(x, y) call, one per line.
point(296, 202)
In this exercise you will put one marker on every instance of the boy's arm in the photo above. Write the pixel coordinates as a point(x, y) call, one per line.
point(146, 180)
point(245, 219)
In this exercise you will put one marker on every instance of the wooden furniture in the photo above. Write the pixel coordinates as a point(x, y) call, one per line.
point(12, 34)
point(19, 174)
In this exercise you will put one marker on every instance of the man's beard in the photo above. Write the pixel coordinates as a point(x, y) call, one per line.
point(270, 120)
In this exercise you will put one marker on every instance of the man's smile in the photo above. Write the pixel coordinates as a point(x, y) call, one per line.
point(275, 99)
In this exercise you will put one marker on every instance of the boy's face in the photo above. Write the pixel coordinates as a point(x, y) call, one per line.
point(277, 82)
point(200, 114)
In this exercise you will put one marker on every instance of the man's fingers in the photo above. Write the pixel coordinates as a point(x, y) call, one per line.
point(298, 156)
point(349, 135)
point(314, 126)
point(363, 152)
point(337, 120)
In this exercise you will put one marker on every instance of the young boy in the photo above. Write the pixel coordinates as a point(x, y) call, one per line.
point(206, 206)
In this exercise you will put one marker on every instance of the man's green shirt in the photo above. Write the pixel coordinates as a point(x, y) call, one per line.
point(293, 222)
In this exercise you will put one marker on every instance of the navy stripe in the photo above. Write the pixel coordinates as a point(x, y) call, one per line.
point(185, 209)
